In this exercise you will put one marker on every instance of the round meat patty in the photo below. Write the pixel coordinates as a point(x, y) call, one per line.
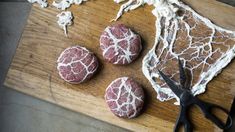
point(76, 64)
point(125, 97)
point(119, 44)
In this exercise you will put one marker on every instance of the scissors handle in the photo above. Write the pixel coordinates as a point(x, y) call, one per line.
point(183, 120)
point(207, 109)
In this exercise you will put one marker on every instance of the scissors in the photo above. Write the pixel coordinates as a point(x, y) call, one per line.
point(187, 99)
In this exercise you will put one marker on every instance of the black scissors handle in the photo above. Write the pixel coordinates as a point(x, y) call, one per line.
point(183, 120)
point(187, 99)
point(207, 109)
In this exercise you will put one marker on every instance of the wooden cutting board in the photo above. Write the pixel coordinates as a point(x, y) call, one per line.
point(33, 69)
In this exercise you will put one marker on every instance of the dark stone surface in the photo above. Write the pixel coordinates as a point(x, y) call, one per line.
point(230, 2)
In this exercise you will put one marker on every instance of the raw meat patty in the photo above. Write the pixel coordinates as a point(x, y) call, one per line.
point(125, 97)
point(77, 64)
point(119, 44)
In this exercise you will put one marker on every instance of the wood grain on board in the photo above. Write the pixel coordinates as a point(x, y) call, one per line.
point(33, 69)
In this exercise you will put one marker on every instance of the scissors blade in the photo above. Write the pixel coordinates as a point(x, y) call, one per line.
point(182, 74)
point(176, 90)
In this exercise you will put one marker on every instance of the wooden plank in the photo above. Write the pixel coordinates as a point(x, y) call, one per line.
point(33, 69)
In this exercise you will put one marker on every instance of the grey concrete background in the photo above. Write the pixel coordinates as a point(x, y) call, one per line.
point(23, 113)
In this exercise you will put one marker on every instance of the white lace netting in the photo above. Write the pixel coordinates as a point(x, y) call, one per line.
point(204, 48)
point(64, 4)
point(65, 19)
point(42, 3)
